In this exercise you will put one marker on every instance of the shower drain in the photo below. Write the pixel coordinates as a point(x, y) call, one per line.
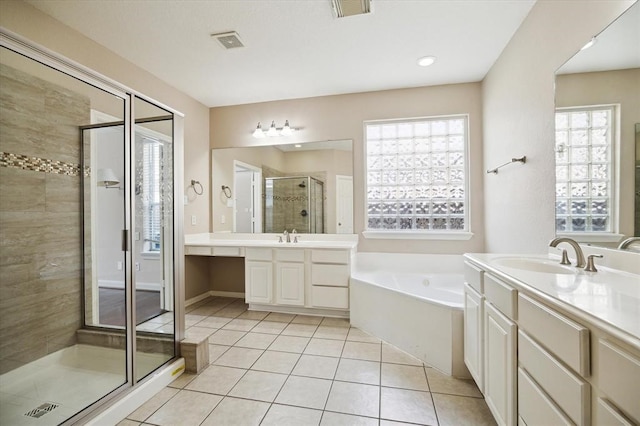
point(41, 410)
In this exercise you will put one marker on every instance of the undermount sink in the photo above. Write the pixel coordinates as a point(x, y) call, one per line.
point(535, 265)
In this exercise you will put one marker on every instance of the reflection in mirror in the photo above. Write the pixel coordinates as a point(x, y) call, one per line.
point(307, 187)
point(597, 107)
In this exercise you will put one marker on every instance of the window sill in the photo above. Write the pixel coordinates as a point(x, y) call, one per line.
point(592, 237)
point(395, 235)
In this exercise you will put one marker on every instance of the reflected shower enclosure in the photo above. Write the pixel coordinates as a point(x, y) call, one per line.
point(295, 202)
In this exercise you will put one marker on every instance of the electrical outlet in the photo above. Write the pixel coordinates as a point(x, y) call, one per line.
point(119, 266)
point(193, 219)
point(223, 219)
point(137, 266)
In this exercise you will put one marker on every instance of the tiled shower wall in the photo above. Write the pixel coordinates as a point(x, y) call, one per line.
point(40, 232)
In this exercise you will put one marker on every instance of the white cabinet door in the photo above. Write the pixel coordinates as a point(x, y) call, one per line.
point(500, 365)
point(473, 334)
point(290, 283)
point(258, 281)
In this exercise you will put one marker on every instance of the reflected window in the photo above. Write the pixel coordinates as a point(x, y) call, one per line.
point(416, 174)
point(584, 169)
point(151, 199)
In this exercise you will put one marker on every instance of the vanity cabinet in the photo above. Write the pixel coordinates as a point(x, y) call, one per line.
point(474, 323)
point(619, 380)
point(330, 270)
point(545, 365)
point(314, 280)
point(499, 364)
point(258, 271)
point(290, 277)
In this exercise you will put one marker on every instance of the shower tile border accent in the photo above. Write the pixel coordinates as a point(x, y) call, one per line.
point(37, 164)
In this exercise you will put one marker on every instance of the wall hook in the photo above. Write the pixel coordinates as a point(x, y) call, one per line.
point(226, 191)
point(522, 160)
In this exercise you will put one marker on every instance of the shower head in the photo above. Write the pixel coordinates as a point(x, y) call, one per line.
point(303, 184)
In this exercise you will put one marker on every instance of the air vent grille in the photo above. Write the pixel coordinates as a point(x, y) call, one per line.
point(230, 40)
point(344, 8)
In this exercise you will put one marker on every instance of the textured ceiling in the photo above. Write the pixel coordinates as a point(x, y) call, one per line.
point(297, 49)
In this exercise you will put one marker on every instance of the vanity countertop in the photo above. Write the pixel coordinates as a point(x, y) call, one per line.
point(316, 241)
point(608, 298)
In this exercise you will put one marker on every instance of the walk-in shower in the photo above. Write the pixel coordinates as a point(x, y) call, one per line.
point(87, 220)
point(294, 202)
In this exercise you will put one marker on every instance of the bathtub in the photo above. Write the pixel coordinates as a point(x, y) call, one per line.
point(414, 302)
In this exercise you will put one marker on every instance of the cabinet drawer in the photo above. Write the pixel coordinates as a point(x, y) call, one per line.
point(607, 415)
point(331, 256)
point(198, 251)
point(292, 255)
point(330, 297)
point(534, 407)
point(474, 276)
point(330, 275)
point(619, 376)
point(564, 338)
point(570, 393)
point(252, 253)
point(227, 251)
point(500, 295)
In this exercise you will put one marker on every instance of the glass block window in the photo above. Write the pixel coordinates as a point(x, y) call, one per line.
point(416, 174)
point(584, 169)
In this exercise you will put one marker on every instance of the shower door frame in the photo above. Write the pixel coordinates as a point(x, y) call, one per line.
point(52, 59)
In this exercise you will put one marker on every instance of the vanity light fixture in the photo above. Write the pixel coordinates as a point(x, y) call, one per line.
point(258, 132)
point(425, 61)
point(107, 178)
point(273, 131)
point(589, 44)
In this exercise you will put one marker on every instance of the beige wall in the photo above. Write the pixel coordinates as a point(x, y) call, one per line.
point(342, 116)
point(25, 20)
point(613, 87)
point(518, 106)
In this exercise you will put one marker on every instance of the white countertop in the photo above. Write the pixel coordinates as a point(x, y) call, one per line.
point(319, 241)
point(608, 298)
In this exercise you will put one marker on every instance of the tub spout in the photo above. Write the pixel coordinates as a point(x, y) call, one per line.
point(580, 263)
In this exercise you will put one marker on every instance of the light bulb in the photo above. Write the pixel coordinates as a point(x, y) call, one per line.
point(286, 130)
point(258, 133)
point(272, 130)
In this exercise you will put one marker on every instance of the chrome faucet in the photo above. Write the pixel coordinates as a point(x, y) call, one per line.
point(295, 236)
point(629, 241)
point(287, 236)
point(580, 263)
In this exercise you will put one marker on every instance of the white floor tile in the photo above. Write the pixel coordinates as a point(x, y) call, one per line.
point(354, 398)
point(283, 415)
point(235, 411)
point(304, 392)
point(259, 385)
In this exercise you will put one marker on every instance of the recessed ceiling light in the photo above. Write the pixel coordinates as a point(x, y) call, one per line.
point(426, 61)
point(298, 145)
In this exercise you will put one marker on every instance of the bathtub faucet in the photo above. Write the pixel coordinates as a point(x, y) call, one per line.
point(580, 263)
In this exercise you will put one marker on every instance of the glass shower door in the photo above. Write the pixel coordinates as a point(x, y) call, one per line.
point(153, 237)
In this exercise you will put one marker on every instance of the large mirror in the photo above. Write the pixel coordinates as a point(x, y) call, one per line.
point(597, 152)
point(305, 186)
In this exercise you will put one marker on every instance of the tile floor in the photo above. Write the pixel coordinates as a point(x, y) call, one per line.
point(280, 369)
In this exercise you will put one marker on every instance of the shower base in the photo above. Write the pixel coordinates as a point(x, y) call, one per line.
point(53, 388)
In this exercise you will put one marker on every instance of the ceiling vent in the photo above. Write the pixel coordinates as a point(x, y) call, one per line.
point(230, 40)
point(344, 8)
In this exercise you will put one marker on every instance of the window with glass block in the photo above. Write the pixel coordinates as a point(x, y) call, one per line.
point(584, 163)
point(416, 174)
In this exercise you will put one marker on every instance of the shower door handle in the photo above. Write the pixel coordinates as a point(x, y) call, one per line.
point(125, 240)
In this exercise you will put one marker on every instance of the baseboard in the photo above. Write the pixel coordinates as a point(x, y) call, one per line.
point(213, 293)
point(196, 299)
point(227, 294)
